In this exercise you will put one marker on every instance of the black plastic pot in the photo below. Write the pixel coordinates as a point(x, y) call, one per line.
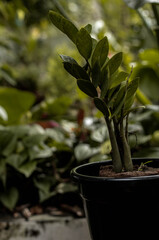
point(123, 208)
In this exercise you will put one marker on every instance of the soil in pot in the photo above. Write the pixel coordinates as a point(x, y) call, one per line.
point(139, 170)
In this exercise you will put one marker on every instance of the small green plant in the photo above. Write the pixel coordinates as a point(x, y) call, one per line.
point(112, 90)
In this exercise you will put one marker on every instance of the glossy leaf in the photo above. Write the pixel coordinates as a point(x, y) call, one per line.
point(100, 52)
point(112, 95)
point(96, 74)
point(101, 106)
point(118, 78)
point(105, 81)
point(88, 27)
point(132, 88)
point(76, 70)
point(84, 43)
point(87, 87)
point(68, 59)
point(115, 62)
point(64, 25)
point(119, 101)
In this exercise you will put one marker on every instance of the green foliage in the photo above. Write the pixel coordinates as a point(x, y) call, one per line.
point(16, 103)
point(84, 43)
point(25, 153)
point(100, 70)
point(148, 71)
point(64, 25)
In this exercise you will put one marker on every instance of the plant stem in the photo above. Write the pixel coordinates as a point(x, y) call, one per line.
point(117, 164)
point(128, 165)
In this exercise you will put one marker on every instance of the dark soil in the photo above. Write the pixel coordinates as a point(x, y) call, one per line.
point(143, 170)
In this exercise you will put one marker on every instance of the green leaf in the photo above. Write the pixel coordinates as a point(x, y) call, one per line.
point(3, 171)
point(28, 168)
point(68, 59)
point(112, 94)
point(88, 27)
point(10, 147)
point(138, 3)
point(105, 81)
point(87, 87)
point(15, 160)
point(118, 78)
point(3, 114)
point(45, 196)
point(131, 90)
point(96, 74)
point(43, 184)
point(132, 87)
point(84, 43)
point(101, 106)
point(5, 138)
point(100, 52)
point(65, 188)
point(115, 62)
point(100, 134)
point(119, 101)
point(5, 75)
point(16, 103)
point(76, 70)
point(9, 198)
point(84, 151)
point(64, 25)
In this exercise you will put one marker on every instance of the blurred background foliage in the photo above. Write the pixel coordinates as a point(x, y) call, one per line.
point(47, 124)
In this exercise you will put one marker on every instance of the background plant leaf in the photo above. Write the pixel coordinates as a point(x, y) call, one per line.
point(9, 198)
point(138, 3)
point(16, 103)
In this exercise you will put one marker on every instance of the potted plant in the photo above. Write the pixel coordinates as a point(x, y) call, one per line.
point(122, 204)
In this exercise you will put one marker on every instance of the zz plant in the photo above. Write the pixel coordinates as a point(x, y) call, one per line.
point(112, 90)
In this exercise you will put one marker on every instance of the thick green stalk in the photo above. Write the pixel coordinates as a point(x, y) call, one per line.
point(127, 161)
point(117, 164)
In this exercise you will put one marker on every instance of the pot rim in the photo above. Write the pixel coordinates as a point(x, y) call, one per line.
point(79, 177)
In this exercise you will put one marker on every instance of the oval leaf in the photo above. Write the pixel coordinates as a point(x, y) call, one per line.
point(115, 62)
point(119, 101)
point(105, 80)
point(76, 70)
point(100, 52)
point(101, 106)
point(84, 43)
point(64, 25)
point(96, 74)
point(87, 87)
point(68, 59)
point(88, 27)
point(118, 78)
